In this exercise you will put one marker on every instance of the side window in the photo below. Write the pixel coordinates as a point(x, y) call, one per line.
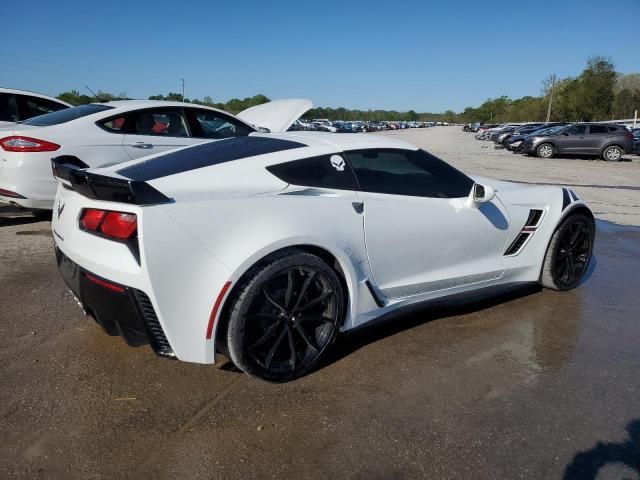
point(210, 124)
point(8, 108)
point(406, 172)
point(598, 129)
point(34, 106)
point(164, 122)
point(326, 171)
point(114, 125)
point(577, 130)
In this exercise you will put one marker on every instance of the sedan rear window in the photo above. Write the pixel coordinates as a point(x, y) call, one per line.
point(66, 115)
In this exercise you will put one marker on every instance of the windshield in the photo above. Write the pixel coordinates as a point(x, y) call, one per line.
point(66, 115)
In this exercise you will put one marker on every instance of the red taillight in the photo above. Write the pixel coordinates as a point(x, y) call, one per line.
point(18, 143)
point(91, 218)
point(629, 135)
point(118, 225)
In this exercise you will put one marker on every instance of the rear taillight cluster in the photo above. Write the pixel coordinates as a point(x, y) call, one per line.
point(17, 143)
point(115, 225)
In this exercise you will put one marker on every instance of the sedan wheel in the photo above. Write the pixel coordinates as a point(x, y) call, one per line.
point(285, 318)
point(545, 150)
point(612, 154)
point(569, 253)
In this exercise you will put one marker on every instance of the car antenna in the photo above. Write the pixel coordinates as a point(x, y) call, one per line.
point(101, 100)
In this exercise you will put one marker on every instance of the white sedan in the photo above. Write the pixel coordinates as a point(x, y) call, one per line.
point(19, 105)
point(101, 134)
point(265, 247)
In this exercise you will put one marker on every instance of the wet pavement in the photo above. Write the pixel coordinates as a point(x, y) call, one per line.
point(534, 384)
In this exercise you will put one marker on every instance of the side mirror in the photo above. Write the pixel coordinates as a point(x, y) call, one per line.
point(566, 134)
point(480, 194)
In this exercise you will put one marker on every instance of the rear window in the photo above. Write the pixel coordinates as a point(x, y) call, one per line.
point(66, 115)
point(8, 108)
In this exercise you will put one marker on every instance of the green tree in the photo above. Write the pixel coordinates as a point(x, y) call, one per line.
point(598, 81)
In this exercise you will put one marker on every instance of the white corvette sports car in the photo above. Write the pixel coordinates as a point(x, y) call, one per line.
point(265, 247)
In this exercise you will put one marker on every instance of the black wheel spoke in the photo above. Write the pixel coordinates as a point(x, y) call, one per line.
point(268, 333)
point(263, 315)
point(316, 319)
point(305, 337)
point(273, 302)
point(575, 234)
point(275, 347)
point(287, 295)
point(303, 290)
point(292, 347)
point(316, 301)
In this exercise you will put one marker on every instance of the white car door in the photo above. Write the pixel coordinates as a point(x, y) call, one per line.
point(420, 235)
point(155, 130)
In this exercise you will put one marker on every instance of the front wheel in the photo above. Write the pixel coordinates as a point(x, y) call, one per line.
point(569, 253)
point(545, 150)
point(285, 317)
point(612, 154)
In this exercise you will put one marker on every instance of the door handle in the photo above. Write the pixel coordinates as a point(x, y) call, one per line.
point(143, 145)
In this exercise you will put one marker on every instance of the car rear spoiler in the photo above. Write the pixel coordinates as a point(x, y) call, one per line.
point(72, 173)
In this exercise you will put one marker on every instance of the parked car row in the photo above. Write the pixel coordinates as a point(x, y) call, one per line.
point(341, 126)
point(609, 141)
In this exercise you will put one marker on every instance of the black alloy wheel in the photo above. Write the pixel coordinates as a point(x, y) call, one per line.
point(569, 253)
point(285, 318)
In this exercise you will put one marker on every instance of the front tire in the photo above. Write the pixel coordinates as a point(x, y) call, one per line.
point(569, 253)
point(545, 150)
point(285, 317)
point(612, 154)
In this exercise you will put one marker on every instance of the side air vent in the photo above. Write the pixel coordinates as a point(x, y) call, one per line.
point(518, 243)
point(157, 338)
point(534, 218)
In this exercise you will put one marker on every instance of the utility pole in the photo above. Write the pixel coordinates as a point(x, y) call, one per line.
point(182, 89)
point(553, 82)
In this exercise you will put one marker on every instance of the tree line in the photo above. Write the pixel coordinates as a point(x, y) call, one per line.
point(598, 93)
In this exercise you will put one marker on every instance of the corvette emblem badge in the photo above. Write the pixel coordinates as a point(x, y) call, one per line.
point(337, 162)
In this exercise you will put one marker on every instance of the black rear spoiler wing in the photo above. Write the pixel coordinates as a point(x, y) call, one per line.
point(71, 171)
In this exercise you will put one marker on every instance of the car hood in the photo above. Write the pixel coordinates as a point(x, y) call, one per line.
point(276, 116)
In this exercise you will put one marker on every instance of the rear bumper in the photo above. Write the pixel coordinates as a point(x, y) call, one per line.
point(119, 309)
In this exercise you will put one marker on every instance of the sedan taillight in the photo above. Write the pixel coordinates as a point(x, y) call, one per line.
point(116, 225)
point(18, 143)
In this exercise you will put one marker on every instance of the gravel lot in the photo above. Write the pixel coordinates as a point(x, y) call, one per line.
point(611, 189)
point(529, 385)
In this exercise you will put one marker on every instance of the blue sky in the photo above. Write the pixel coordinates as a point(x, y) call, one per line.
point(421, 55)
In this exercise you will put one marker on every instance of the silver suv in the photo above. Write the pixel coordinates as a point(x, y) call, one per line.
point(606, 140)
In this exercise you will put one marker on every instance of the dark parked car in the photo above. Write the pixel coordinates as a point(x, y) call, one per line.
point(514, 142)
point(523, 129)
point(605, 140)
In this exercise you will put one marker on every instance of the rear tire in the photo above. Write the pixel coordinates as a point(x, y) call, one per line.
point(545, 150)
point(612, 153)
point(285, 317)
point(569, 253)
